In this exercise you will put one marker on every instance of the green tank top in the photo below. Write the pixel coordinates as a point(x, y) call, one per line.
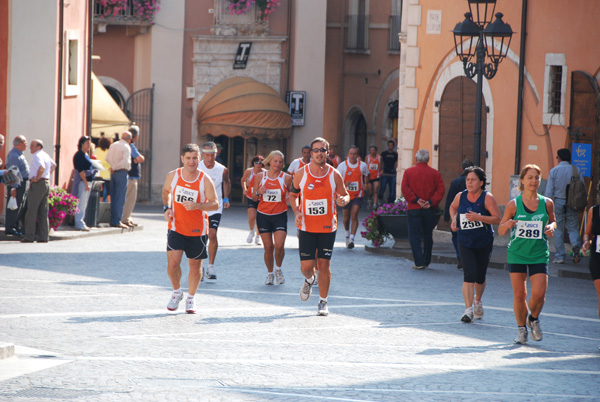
point(528, 244)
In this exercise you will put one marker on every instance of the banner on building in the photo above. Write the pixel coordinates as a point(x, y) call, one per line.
point(581, 156)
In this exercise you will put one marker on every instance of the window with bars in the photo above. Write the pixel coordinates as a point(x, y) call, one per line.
point(555, 87)
point(555, 92)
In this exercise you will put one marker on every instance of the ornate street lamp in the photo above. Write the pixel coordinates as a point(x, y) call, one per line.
point(473, 41)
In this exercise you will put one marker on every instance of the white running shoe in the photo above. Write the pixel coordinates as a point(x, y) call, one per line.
point(306, 290)
point(211, 272)
point(536, 330)
point(250, 237)
point(478, 309)
point(322, 309)
point(190, 305)
point(521, 338)
point(176, 298)
point(270, 279)
point(468, 315)
point(257, 241)
point(279, 277)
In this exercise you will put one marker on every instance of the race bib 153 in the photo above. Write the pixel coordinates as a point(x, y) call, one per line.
point(316, 207)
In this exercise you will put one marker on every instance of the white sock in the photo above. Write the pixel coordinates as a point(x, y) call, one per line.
point(178, 291)
point(323, 299)
point(191, 296)
point(351, 237)
point(277, 268)
point(347, 233)
point(311, 280)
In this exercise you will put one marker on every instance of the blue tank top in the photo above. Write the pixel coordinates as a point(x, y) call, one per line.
point(473, 234)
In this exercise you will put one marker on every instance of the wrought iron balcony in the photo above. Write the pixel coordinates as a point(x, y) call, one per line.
point(128, 12)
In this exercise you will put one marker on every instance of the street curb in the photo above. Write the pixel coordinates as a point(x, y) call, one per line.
point(441, 259)
point(68, 233)
point(7, 350)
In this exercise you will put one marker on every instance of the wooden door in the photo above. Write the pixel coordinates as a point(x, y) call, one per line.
point(584, 124)
point(457, 125)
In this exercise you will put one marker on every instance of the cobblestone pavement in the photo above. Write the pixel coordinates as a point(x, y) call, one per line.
point(89, 322)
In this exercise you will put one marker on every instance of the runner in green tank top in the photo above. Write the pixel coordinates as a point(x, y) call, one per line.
point(530, 220)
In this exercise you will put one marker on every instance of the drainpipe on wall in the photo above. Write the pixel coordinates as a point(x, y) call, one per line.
point(61, 36)
point(341, 119)
point(88, 128)
point(520, 86)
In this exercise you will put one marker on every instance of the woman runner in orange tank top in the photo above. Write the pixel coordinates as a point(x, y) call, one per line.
point(272, 187)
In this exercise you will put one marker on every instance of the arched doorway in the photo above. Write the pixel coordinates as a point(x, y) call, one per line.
point(584, 124)
point(360, 135)
point(457, 124)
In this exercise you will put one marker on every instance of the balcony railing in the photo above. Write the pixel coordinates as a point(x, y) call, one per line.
point(124, 16)
point(357, 32)
point(395, 29)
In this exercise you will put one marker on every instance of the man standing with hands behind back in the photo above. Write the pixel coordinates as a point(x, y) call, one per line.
point(119, 158)
point(36, 217)
point(423, 189)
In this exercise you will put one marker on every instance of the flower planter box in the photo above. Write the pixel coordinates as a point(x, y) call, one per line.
point(397, 226)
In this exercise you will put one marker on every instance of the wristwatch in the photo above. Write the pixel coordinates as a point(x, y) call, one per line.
point(165, 208)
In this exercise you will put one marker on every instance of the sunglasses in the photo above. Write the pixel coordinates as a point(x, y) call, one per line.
point(258, 163)
point(317, 150)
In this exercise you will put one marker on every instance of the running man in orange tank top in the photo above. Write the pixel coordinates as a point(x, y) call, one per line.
point(320, 188)
point(355, 175)
point(375, 165)
point(188, 193)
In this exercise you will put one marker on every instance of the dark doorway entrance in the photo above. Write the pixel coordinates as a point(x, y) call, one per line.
point(232, 156)
point(360, 137)
point(139, 109)
point(457, 124)
point(584, 128)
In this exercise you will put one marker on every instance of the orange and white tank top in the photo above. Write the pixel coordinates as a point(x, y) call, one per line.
point(352, 177)
point(250, 184)
point(336, 160)
point(374, 165)
point(273, 201)
point(319, 213)
point(188, 223)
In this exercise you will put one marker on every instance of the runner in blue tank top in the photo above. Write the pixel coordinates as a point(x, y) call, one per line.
point(473, 212)
point(530, 220)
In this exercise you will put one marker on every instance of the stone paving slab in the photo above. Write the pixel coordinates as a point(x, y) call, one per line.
point(94, 311)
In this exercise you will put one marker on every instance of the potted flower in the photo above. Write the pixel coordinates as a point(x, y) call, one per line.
point(266, 7)
point(60, 204)
point(389, 220)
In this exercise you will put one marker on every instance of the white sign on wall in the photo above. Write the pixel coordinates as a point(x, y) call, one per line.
point(296, 100)
point(434, 22)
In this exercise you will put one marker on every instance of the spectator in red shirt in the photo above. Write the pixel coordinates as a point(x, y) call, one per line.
point(423, 189)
